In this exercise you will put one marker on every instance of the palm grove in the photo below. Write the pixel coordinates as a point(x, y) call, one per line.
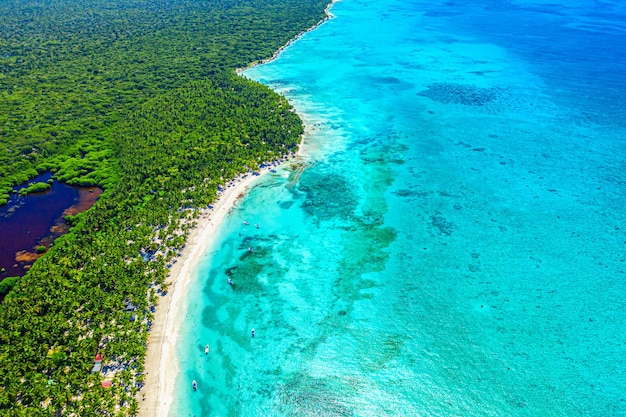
point(141, 99)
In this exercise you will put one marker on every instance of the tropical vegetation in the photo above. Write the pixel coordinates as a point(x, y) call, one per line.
point(140, 98)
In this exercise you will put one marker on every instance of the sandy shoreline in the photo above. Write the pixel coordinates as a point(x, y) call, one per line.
point(161, 367)
point(275, 55)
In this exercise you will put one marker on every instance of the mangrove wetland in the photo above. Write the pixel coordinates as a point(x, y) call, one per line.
point(141, 99)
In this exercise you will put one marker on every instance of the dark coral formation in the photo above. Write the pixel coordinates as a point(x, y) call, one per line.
point(305, 395)
point(321, 196)
point(444, 226)
point(468, 95)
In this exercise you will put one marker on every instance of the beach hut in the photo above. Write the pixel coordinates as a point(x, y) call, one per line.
point(97, 364)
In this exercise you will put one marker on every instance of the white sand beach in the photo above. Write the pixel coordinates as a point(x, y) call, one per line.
point(161, 368)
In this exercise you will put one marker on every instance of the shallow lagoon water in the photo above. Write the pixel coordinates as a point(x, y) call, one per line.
point(455, 244)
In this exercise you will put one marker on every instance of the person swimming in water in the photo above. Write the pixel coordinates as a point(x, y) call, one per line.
point(252, 332)
point(250, 250)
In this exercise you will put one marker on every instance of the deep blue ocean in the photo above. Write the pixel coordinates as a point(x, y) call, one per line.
point(452, 241)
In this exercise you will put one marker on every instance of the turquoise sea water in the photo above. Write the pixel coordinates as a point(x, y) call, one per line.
point(456, 243)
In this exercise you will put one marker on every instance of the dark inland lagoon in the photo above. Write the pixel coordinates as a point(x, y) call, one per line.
point(27, 222)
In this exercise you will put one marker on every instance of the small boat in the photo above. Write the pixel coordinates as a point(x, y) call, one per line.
point(256, 225)
point(206, 350)
point(194, 384)
point(246, 223)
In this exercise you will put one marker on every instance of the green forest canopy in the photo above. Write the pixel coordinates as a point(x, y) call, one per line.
point(140, 98)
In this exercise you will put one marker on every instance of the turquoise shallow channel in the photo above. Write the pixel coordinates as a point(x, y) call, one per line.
point(456, 243)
